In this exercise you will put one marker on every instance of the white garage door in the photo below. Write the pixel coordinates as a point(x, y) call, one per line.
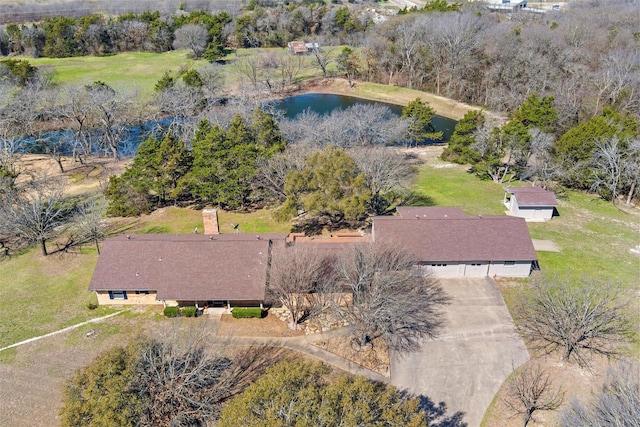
point(476, 269)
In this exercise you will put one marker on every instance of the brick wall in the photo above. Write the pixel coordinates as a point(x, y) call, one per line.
point(210, 219)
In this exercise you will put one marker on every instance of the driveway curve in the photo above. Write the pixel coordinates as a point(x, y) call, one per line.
point(477, 351)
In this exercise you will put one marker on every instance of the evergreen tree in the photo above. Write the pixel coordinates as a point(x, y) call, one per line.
point(100, 396)
point(329, 184)
point(173, 162)
point(420, 113)
point(266, 131)
point(538, 113)
point(298, 393)
point(459, 148)
point(574, 150)
point(224, 163)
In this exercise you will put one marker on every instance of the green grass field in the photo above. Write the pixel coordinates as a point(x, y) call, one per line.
point(40, 295)
point(141, 70)
point(123, 71)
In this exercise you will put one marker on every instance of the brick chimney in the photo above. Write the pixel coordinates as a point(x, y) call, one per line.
point(210, 219)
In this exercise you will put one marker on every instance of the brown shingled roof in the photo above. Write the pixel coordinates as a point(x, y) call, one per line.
point(490, 238)
point(533, 196)
point(187, 267)
point(430, 212)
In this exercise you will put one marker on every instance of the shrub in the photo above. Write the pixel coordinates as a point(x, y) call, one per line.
point(189, 311)
point(172, 311)
point(247, 312)
point(92, 305)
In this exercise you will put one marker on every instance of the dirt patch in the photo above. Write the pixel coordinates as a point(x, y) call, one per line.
point(78, 178)
point(269, 326)
point(576, 382)
point(375, 357)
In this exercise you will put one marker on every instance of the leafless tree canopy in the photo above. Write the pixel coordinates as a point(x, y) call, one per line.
point(617, 403)
point(387, 298)
point(358, 126)
point(191, 36)
point(532, 390)
point(184, 379)
point(299, 281)
point(37, 213)
point(576, 318)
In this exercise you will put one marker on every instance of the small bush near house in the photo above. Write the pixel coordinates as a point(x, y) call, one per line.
point(92, 305)
point(245, 313)
point(172, 311)
point(189, 311)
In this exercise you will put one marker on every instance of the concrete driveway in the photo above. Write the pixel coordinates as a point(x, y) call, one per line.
point(477, 350)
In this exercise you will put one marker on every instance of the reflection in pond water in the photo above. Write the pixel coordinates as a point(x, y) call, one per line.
point(326, 103)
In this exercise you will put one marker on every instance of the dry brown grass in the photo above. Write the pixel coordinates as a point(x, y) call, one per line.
point(269, 326)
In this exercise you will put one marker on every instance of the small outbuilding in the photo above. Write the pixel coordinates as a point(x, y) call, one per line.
point(530, 203)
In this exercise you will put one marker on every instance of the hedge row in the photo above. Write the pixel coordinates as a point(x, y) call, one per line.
point(175, 311)
point(247, 312)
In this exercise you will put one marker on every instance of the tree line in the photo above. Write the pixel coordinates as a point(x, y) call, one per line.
point(601, 154)
point(460, 51)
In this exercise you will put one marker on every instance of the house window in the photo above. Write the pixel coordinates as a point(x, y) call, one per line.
point(142, 292)
point(509, 263)
point(117, 294)
point(438, 265)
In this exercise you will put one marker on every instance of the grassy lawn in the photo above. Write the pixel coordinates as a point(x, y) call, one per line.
point(122, 71)
point(43, 294)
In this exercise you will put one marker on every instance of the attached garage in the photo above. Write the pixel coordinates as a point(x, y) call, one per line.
point(453, 245)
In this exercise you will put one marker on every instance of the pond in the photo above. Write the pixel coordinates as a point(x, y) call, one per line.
point(325, 103)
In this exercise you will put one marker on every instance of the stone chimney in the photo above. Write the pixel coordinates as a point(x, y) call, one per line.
point(210, 219)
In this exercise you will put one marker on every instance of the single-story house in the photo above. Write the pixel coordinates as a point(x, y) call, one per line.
point(300, 47)
point(450, 243)
point(218, 270)
point(531, 203)
point(186, 269)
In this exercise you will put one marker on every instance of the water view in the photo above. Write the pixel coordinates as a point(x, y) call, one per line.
point(325, 103)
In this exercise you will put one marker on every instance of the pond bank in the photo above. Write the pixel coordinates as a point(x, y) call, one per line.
point(390, 94)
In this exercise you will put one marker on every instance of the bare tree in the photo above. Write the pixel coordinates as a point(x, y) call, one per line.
point(109, 111)
point(272, 170)
point(298, 281)
point(322, 58)
point(617, 403)
point(608, 166)
point(385, 172)
point(184, 380)
point(75, 109)
point(191, 36)
point(89, 221)
point(531, 390)
point(37, 214)
point(631, 168)
point(387, 297)
point(10, 153)
point(541, 165)
point(579, 319)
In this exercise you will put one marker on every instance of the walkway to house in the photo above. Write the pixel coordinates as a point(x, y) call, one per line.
point(98, 319)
